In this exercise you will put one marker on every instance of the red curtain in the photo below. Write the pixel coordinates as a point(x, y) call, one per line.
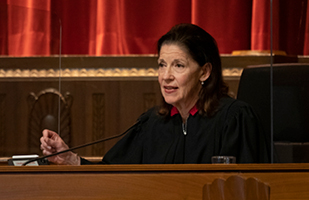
point(133, 27)
point(289, 25)
point(105, 27)
point(229, 22)
point(25, 27)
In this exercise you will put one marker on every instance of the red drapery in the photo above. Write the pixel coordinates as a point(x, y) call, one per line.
point(100, 27)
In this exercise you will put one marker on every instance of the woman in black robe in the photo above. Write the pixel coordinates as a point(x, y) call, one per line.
point(197, 118)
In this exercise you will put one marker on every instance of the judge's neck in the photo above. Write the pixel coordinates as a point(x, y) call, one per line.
point(184, 111)
point(184, 119)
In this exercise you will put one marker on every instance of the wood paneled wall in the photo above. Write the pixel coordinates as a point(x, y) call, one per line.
point(99, 109)
point(108, 94)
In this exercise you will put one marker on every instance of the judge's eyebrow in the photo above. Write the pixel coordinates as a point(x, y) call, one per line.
point(175, 60)
point(161, 61)
point(180, 60)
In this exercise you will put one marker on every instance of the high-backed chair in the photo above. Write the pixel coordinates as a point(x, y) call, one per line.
point(236, 188)
point(290, 106)
point(44, 114)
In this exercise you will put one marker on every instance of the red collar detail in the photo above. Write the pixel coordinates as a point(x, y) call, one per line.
point(193, 111)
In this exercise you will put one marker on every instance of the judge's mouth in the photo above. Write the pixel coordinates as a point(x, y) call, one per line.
point(169, 89)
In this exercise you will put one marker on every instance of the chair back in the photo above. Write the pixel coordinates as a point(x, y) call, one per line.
point(290, 93)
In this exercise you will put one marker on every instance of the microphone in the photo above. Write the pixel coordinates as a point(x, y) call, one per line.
point(141, 120)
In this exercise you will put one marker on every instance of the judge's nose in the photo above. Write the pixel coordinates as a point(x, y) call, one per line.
point(167, 73)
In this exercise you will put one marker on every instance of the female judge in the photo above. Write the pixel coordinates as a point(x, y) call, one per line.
point(196, 120)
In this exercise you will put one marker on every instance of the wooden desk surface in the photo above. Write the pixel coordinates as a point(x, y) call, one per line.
point(162, 168)
point(286, 181)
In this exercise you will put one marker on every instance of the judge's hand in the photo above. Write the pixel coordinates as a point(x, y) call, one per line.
point(51, 143)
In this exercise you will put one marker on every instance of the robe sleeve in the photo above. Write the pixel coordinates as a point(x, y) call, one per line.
point(129, 149)
point(243, 135)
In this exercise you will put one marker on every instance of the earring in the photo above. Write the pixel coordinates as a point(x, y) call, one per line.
point(202, 82)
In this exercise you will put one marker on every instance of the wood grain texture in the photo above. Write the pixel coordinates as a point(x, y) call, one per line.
point(98, 122)
point(286, 181)
point(236, 188)
point(2, 125)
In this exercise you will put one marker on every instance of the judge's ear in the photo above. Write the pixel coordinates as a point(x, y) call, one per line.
point(206, 71)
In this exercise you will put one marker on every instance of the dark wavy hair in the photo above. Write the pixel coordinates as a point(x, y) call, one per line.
point(203, 49)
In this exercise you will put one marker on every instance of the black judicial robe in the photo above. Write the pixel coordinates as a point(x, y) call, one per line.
point(233, 131)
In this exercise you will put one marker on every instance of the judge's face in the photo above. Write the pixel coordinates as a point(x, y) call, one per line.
point(179, 76)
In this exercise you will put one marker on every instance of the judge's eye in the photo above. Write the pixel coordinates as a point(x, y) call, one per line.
point(161, 65)
point(180, 65)
point(179, 68)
